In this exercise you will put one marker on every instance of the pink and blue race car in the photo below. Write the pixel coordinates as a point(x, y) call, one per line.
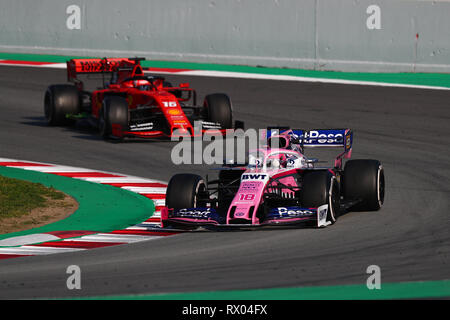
point(278, 186)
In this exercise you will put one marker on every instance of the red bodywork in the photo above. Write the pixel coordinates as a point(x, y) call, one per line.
point(160, 98)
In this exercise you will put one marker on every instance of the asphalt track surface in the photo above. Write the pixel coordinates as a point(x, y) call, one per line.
point(406, 129)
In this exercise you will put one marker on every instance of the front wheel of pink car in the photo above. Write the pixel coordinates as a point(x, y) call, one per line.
point(186, 190)
point(319, 188)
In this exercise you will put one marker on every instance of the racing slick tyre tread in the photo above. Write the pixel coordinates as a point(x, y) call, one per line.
point(114, 111)
point(219, 109)
point(60, 100)
point(364, 180)
point(319, 188)
point(183, 189)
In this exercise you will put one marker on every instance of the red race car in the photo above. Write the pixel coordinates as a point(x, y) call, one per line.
point(133, 104)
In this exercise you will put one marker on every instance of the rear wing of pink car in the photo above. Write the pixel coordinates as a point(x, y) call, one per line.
point(342, 138)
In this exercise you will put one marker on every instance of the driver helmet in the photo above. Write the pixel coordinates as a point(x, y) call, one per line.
point(275, 163)
point(278, 142)
point(254, 161)
point(139, 84)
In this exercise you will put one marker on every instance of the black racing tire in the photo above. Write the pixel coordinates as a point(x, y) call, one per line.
point(113, 111)
point(318, 188)
point(219, 109)
point(364, 180)
point(185, 191)
point(59, 101)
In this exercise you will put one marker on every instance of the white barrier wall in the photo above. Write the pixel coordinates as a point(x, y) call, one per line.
point(346, 35)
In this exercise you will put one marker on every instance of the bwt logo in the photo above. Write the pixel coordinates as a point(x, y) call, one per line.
point(254, 176)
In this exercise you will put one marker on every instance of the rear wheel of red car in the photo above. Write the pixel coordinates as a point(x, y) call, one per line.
point(114, 111)
point(186, 190)
point(363, 181)
point(219, 109)
point(319, 188)
point(61, 100)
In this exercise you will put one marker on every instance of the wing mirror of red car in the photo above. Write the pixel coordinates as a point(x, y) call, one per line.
point(184, 85)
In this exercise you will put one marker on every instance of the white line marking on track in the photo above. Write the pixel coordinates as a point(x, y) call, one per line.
point(57, 169)
point(159, 202)
point(258, 76)
point(243, 75)
point(119, 180)
point(27, 239)
point(146, 190)
point(35, 250)
point(106, 237)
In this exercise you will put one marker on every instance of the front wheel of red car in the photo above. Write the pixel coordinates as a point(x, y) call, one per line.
point(219, 109)
point(113, 111)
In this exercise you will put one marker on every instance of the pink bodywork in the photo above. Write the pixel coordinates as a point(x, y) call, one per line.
point(270, 167)
point(254, 182)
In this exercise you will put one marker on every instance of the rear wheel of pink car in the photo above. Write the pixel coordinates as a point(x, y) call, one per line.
point(363, 181)
point(186, 190)
point(319, 188)
point(219, 110)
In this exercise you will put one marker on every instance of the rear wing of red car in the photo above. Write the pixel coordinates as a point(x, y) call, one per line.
point(104, 65)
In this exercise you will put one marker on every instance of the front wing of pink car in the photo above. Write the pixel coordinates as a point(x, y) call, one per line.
point(209, 217)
